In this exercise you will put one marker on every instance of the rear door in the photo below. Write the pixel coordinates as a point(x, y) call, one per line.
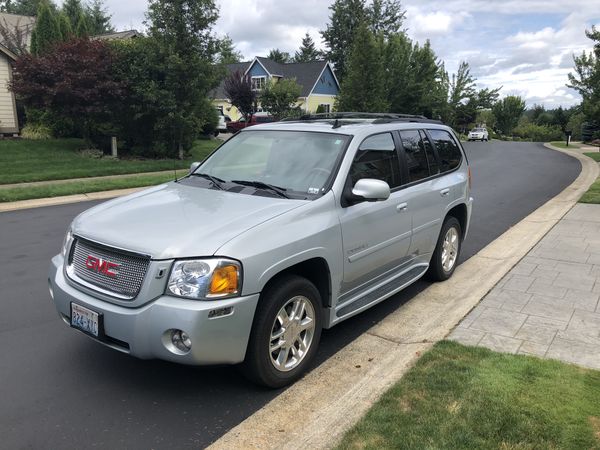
point(376, 235)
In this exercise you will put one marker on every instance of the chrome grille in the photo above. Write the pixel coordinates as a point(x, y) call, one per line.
point(130, 272)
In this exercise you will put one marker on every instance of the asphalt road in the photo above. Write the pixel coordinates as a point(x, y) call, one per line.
point(59, 389)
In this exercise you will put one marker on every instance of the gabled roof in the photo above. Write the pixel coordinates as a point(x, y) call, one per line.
point(306, 73)
point(14, 22)
point(117, 35)
point(5, 50)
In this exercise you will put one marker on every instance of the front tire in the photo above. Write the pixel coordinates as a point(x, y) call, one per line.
point(285, 333)
point(447, 251)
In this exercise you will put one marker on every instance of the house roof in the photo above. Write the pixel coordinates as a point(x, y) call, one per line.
point(117, 35)
point(305, 73)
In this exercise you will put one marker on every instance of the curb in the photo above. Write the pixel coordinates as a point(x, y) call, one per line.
point(316, 411)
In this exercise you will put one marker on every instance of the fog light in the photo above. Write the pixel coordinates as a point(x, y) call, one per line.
point(181, 340)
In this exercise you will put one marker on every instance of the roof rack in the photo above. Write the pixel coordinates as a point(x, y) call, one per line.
point(352, 116)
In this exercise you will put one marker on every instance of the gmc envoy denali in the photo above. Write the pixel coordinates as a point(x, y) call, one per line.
point(285, 229)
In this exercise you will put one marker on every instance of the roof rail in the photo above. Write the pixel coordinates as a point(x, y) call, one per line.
point(376, 117)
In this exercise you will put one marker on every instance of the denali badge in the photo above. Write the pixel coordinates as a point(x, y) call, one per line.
point(101, 266)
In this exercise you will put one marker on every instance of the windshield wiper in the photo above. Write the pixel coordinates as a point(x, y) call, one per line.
point(265, 186)
point(214, 180)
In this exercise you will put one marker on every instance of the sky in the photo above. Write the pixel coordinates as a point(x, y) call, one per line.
point(525, 46)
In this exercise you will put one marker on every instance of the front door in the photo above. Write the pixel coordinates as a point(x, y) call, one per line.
point(376, 235)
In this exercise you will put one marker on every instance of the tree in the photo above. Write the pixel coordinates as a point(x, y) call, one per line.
point(227, 52)
point(74, 11)
point(280, 97)
point(182, 30)
point(74, 80)
point(385, 17)
point(308, 51)
point(279, 56)
point(24, 7)
point(98, 18)
point(363, 89)
point(238, 88)
point(346, 16)
point(64, 26)
point(462, 90)
point(508, 111)
point(586, 79)
point(46, 33)
point(81, 27)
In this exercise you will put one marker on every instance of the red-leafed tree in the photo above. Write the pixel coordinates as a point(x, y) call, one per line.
point(75, 80)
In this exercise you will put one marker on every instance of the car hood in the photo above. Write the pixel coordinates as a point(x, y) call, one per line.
point(177, 221)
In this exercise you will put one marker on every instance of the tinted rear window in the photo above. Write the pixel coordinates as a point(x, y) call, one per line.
point(448, 151)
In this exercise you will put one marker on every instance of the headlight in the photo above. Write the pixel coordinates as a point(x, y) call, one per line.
point(66, 243)
point(205, 278)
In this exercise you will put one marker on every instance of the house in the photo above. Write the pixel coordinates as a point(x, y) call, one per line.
point(117, 36)
point(9, 121)
point(317, 79)
point(15, 37)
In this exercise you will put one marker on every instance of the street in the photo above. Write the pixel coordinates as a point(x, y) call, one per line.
point(60, 389)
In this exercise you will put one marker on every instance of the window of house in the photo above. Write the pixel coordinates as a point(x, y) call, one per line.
point(258, 83)
point(377, 158)
point(325, 107)
point(448, 151)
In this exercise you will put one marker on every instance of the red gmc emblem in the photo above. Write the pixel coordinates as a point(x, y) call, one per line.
point(101, 266)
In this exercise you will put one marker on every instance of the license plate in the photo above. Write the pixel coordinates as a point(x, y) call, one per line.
point(85, 319)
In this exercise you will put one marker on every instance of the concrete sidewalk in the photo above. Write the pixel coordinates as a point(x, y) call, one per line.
point(548, 304)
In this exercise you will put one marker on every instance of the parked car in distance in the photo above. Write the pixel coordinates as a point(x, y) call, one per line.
point(287, 228)
point(223, 121)
point(234, 127)
point(478, 134)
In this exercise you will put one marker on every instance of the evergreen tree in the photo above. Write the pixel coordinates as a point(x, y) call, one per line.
point(24, 7)
point(346, 16)
point(98, 19)
point(586, 79)
point(279, 56)
point(363, 88)
point(46, 33)
point(182, 30)
point(81, 27)
point(73, 10)
point(64, 25)
point(385, 17)
point(308, 51)
point(227, 52)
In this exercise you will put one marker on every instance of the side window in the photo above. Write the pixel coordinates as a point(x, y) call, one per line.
point(377, 158)
point(434, 167)
point(416, 159)
point(448, 151)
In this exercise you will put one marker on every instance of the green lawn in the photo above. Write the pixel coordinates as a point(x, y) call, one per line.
point(460, 397)
point(84, 187)
point(595, 156)
point(563, 144)
point(593, 194)
point(25, 160)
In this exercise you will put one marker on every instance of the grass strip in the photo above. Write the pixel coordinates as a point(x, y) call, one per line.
point(23, 160)
point(84, 187)
point(595, 156)
point(593, 194)
point(459, 397)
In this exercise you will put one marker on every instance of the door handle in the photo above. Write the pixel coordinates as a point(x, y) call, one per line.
point(445, 192)
point(402, 207)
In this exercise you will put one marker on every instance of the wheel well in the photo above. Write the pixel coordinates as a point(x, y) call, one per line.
point(316, 271)
point(460, 213)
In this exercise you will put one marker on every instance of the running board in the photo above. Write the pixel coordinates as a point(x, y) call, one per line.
point(383, 292)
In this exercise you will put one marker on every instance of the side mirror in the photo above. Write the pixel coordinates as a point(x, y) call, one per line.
point(194, 166)
point(371, 190)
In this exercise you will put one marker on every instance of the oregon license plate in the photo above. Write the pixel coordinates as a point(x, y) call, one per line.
point(85, 319)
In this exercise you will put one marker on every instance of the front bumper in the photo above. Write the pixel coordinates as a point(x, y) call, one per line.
point(143, 331)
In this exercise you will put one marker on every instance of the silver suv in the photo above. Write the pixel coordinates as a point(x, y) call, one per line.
point(287, 228)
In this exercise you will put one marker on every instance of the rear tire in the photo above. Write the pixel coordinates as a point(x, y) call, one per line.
point(447, 251)
point(285, 333)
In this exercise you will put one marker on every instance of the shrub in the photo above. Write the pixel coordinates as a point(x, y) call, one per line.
point(538, 133)
point(36, 132)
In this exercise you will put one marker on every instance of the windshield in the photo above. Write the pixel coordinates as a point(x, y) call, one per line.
point(298, 162)
point(477, 130)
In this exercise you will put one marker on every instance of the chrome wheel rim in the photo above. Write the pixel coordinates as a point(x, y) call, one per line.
point(450, 249)
point(292, 333)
